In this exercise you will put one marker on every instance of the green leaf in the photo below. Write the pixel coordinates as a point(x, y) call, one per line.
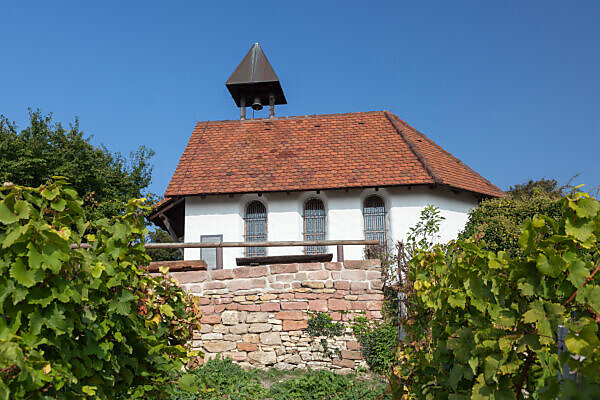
point(580, 229)
point(57, 321)
point(23, 209)
point(491, 365)
point(6, 215)
point(166, 310)
point(22, 274)
point(188, 383)
point(546, 267)
point(585, 207)
point(455, 374)
point(577, 270)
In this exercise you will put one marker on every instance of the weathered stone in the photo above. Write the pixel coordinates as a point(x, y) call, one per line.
point(313, 284)
point(210, 319)
point(362, 264)
point(210, 285)
point(259, 327)
point(270, 338)
point(220, 328)
point(247, 346)
point(293, 359)
point(250, 272)
point(351, 355)
point(239, 299)
point(374, 305)
point(294, 305)
point(218, 347)
point(318, 275)
point(239, 328)
point(354, 286)
point(190, 276)
point(376, 284)
point(266, 307)
point(257, 317)
point(249, 307)
point(345, 363)
point(252, 297)
point(333, 266)
point(250, 338)
point(341, 285)
point(310, 266)
point(268, 297)
point(239, 284)
point(295, 315)
point(284, 268)
point(354, 275)
point(284, 278)
point(291, 325)
point(220, 274)
point(263, 357)
point(205, 328)
point(232, 338)
point(318, 305)
point(338, 305)
point(212, 336)
point(374, 296)
point(284, 366)
point(328, 284)
point(230, 317)
point(350, 297)
point(352, 345)
point(236, 356)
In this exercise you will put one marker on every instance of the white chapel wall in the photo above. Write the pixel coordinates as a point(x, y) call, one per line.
point(224, 215)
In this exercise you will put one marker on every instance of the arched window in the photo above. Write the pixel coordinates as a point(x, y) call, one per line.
point(256, 227)
point(374, 214)
point(314, 225)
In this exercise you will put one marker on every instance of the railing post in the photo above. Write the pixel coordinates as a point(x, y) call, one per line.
point(219, 258)
point(340, 253)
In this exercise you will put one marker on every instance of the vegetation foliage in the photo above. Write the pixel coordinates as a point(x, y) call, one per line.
point(483, 324)
point(84, 322)
point(378, 342)
point(105, 180)
point(222, 379)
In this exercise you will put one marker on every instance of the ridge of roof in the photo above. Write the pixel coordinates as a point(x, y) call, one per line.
point(290, 117)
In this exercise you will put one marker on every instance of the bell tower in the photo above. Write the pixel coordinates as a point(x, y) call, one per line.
point(255, 84)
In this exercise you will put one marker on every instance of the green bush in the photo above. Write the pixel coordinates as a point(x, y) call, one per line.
point(378, 341)
point(326, 385)
point(483, 324)
point(79, 323)
point(222, 379)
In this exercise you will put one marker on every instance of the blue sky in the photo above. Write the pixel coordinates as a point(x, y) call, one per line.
point(511, 88)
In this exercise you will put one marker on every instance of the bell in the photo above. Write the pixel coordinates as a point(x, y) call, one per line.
point(256, 104)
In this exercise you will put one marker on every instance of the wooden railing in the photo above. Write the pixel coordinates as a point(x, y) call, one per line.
point(219, 246)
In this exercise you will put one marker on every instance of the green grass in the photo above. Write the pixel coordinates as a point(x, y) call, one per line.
point(222, 379)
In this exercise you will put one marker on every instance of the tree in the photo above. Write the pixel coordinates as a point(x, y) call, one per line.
point(81, 323)
point(161, 236)
point(496, 223)
point(105, 180)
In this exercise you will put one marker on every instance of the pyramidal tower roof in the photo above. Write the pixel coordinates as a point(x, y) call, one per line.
point(255, 79)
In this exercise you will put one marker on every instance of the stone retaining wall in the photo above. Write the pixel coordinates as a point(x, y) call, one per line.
point(258, 315)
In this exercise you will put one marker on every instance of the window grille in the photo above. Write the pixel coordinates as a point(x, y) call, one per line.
point(314, 225)
point(374, 214)
point(256, 227)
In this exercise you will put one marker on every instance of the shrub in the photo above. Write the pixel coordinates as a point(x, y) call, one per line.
point(321, 325)
point(483, 324)
point(326, 385)
point(222, 379)
point(378, 341)
point(83, 322)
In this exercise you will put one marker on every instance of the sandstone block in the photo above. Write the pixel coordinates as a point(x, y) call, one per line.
point(333, 266)
point(376, 284)
point(220, 274)
point(293, 315)
point(361, 264)
point(190, 276)
point(284, 268)
point(338, 305)
point(232, 338)
point(203, 301)
point(250, 272)
point(247, 346)
point(236, 355)
point(310, 266)
point(294, 305)
point(268, 297)
point(344, 363)
point(239, 299)
point(263, 357)
point(284, 366)
point(210, 285)
point(259, 327)
point(218, 347)
point(210, 319)
point(341, 285)
point(230, 317)
point(269, 307)
point(239, 329)
point(352, 345)
point(317, 305)
point(353, 275)
point(252, 297)
point(318, 275)
point(250, 338)
point(249, 307)
point(374, 305)
point(313, 284)
point(350, 297)
point(291, 325)
point(270, 338)
point(220, 328)
point(359, 286)
point(284, 278)
point(254, 317)
point(212, 336)
point(370, 297)
point(239, 284)
point(351, 355)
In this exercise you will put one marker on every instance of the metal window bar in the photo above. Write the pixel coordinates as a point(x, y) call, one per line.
point(256, 228)
point(374, 215)
point(314, 225)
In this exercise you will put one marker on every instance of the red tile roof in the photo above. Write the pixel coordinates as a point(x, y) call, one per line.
point(316, 152)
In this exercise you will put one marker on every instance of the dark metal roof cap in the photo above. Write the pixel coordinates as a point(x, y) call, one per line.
point(255, 77)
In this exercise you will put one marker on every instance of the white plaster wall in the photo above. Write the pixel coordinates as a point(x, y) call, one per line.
point(224, 215)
